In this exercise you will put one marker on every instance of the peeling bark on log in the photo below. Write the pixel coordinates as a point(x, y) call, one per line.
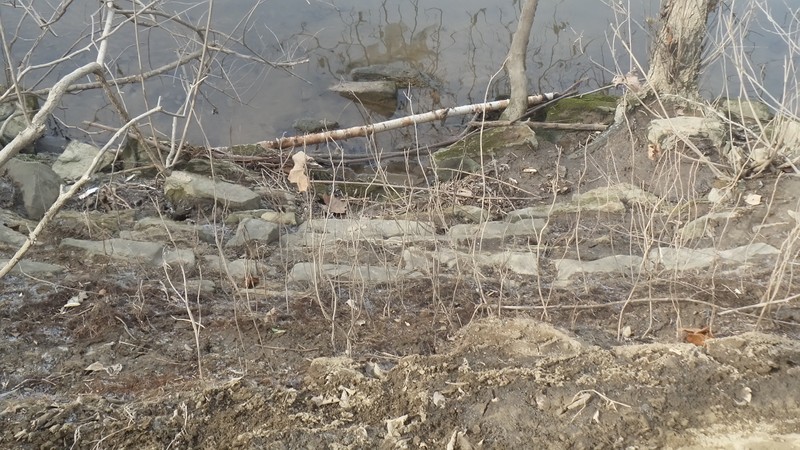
point(677, 49)
point(366, 130)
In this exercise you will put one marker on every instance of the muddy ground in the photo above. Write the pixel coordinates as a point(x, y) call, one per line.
point(465, 362)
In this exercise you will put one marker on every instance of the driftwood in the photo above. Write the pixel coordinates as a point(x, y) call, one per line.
point(366, 130)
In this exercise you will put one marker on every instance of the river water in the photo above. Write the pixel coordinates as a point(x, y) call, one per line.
point(461, 43)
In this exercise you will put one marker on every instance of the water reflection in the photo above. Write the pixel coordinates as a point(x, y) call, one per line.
point(460, 44)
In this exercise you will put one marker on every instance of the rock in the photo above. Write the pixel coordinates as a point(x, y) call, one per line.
point(239, 269)
point(622, 264)
point(166, 230)
point(784, 134)
point(468, 213)
point(703, 226)
point(184, 187)
point(497, 232)
point(687, 258)
point(220, 169)
point(95, 223)
point(11, 238)
point(308, 272)
point(40, 186)
point(277, 198)
point(609, 199)
point(6, 109)
point(254, 230)
point(77, 158)
point(432, 262)
point(379, 96)
point(746, 110)
point(179, 258)
point(309, 125)
point(591, 108)
point(15, 221)
point(237, 216)
point(29, 267)
point(399, 73)
point(705, 132)
point(466, 154)
point(281, 218)
point(360, 229)
point(12, 126)
point(194, 287)
point(119, 249)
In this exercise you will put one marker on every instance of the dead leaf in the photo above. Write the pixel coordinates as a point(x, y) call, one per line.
point(298, 173)
point(95, 367)
point(753, 199)
point(335, 205)
point(464, 193)
point(697, 336)
point(653, 151)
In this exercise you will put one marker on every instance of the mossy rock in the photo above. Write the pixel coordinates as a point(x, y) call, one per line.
point(466, 154)
point(591, 108)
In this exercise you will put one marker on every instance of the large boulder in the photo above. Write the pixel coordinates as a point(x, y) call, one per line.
point(37, 182)
point(77, 158)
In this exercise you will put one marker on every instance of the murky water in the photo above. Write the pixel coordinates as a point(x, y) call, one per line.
point(462, 44)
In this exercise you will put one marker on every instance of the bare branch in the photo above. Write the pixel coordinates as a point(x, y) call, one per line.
point(38, 123)
point(64, 196)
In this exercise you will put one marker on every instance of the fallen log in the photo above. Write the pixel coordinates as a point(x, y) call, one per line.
point(366, 130)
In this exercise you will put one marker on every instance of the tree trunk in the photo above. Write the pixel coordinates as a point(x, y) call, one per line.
point(677, 50)
point(515, 67)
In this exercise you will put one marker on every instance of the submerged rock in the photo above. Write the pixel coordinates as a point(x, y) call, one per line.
point(379, 96)
point(309, 125)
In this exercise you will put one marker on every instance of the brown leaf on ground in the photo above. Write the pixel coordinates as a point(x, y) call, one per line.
point(653, 151)
point(298, 173)
point(335, 205)
point(697, 336)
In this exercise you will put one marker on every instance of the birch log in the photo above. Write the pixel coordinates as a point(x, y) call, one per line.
point(366, 130)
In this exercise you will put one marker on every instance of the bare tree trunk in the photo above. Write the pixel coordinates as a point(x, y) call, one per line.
point(515, 67)
point(677, 50)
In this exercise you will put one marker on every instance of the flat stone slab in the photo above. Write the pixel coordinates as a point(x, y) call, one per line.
point(306, 272)
point(29, 267)
point(10, 237)
point(432, 262)
point(166, 230)
point(239, 269)
point(361, 229)
point(622, 264)
point(186, 187)
point(497, 231)
point(686, 258)
point(127, 250)
point(610, 199)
